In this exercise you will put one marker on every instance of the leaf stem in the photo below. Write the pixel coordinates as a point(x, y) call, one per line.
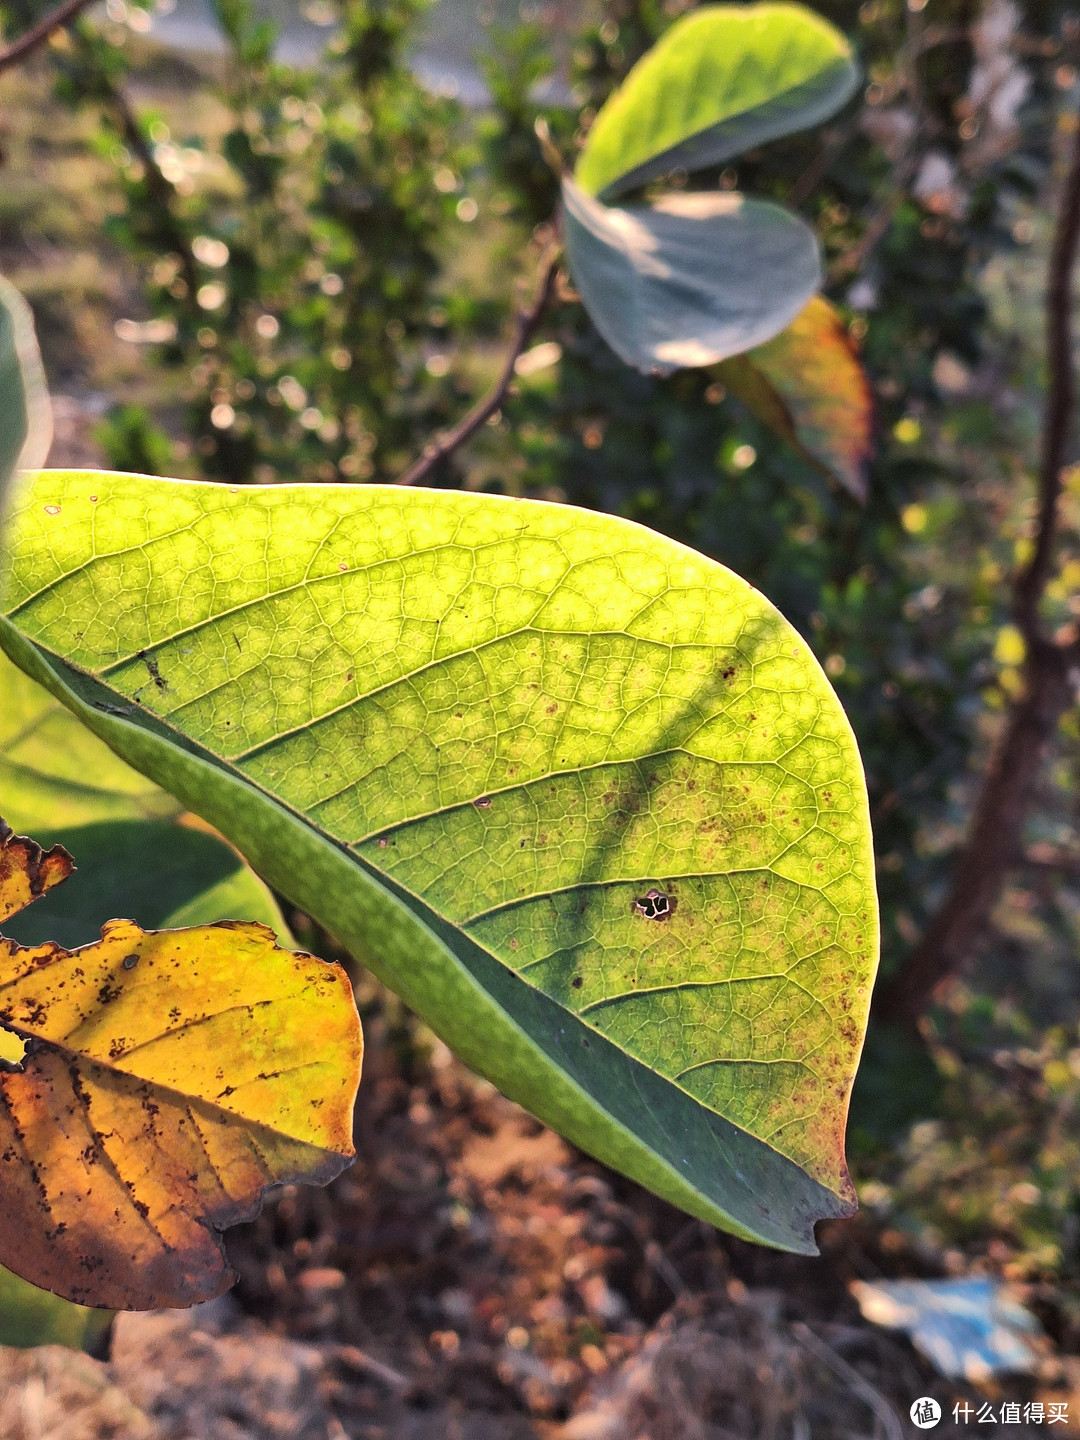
point(525, 322)
point(161, 191)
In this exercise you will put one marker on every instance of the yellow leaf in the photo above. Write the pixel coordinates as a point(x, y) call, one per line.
point(170, 1078)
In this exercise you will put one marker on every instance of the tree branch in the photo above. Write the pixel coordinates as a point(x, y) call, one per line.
point(994, 842)
point(161, 192)
point(19, 49)
point(1060, 401)
point(525, 323)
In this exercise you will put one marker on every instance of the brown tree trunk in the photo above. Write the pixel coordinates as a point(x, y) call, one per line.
point(993, 846)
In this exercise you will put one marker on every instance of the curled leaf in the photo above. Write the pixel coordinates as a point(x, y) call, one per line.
point(169, 1078)
point(808, 385)
point(27, 871)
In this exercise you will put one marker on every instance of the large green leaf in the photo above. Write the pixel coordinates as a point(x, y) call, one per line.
point(25, 413)
point(581, 796)
point(691, 279)
point(722, 80)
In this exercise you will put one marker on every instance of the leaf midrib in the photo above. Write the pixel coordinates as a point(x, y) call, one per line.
point(186, 744)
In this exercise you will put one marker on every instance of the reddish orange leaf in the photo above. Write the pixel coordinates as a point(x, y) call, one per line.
point(27, 871)
point(808, 385)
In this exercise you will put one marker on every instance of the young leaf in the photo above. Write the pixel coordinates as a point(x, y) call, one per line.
point(169, 1079)
point(692, 278)
point(807, 384)
point(581, 796)
point(25, 413)
point(722, 80)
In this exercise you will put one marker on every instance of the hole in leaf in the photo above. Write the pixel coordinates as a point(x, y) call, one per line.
point(655, 905)
point(12, 1050)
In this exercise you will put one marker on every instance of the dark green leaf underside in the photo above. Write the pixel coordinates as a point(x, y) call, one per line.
point(161, 875)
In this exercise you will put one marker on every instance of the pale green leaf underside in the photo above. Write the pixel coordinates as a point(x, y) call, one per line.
point(25, 413)
point(467, 733)
point(60, 784)
point(55, 774)
point(722, 80)
point(693, 278)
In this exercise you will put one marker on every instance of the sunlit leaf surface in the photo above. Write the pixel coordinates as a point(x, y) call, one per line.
point(168, 1079)
point(723, 79)
point(580, 795)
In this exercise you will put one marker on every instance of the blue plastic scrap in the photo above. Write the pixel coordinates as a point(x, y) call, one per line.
point(969, 1329)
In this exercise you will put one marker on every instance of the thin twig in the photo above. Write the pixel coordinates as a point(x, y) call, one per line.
point(356, 1359)
point(935, 35)
point(161, 192)
point(851, 260)
point(19, 49)
point(830, 147)
point(918, 41)
point(883, 1411)
point(993, 845)
point(525, 323)
point(1060, 401)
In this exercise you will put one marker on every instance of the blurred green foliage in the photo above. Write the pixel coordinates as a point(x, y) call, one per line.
point(29, 1316)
